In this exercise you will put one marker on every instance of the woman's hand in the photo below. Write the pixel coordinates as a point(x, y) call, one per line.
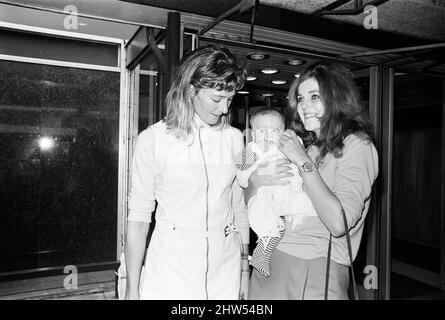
point(135, 249)
point(272, 173)
point(244, 288)
point(292, 147)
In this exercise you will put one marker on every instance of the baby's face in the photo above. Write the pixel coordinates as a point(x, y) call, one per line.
point(267, 129)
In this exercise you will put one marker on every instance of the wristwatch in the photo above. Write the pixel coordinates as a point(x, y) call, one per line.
point(306, 167)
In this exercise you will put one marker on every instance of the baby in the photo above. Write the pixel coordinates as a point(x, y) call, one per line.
point(269, 208)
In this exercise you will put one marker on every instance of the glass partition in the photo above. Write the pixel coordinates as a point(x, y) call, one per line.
point(58, 165)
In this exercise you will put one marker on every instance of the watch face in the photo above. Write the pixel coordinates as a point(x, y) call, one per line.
point(309, 166)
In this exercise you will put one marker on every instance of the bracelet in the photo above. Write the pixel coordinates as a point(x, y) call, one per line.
point(245, 270)
point(245, 257)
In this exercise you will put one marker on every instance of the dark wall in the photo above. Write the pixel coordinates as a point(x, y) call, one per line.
point(416, 196)
point(416, 171)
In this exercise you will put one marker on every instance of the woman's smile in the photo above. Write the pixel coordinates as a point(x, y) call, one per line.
point(309, 105)
point(310, 116)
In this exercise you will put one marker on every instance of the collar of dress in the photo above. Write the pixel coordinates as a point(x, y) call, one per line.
point(201, 123)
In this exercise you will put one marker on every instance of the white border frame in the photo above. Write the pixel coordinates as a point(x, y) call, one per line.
point(59, 33)
point(59, 63)
point(64, 35)
point(123, 153)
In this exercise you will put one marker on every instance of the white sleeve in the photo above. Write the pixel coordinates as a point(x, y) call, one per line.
point(240, 212)
point(141, 201)
point(238, 203)
point(354, 177)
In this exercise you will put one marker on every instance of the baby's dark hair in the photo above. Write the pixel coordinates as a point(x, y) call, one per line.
point(266, 111)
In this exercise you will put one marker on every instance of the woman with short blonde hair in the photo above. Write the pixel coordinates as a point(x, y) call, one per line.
point(205, 68)
point(198, 249)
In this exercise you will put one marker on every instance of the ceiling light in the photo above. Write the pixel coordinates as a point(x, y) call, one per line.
point(46, 143)
point(251, 78)
point(294, 62)
point(269, 71)
point(257, 56)
point(243, 92)
point(279, 82)
point(296, 75)
point(267, 95)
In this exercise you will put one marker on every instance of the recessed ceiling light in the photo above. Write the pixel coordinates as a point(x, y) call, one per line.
point(279, 81)
point(251, 78)
point(294, 62)
point(257, 56)
point(267, 94)
point(243, 92)
point(296, 75)
point(269, 71)
point(46, 143)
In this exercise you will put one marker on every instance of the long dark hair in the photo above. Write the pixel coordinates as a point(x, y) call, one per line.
point(344, 111)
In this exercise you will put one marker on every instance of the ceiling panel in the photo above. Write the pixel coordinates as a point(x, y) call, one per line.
point(417, 18)
point(263, 84)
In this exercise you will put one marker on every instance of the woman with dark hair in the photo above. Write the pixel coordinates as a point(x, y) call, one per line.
point(338, 167)
point(186, 164)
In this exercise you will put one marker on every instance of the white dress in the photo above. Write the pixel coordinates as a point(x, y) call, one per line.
point(189, 255)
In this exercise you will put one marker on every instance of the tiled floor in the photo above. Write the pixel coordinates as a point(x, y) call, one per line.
point(402, 288)
point(91, 296)
point(104, 291)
